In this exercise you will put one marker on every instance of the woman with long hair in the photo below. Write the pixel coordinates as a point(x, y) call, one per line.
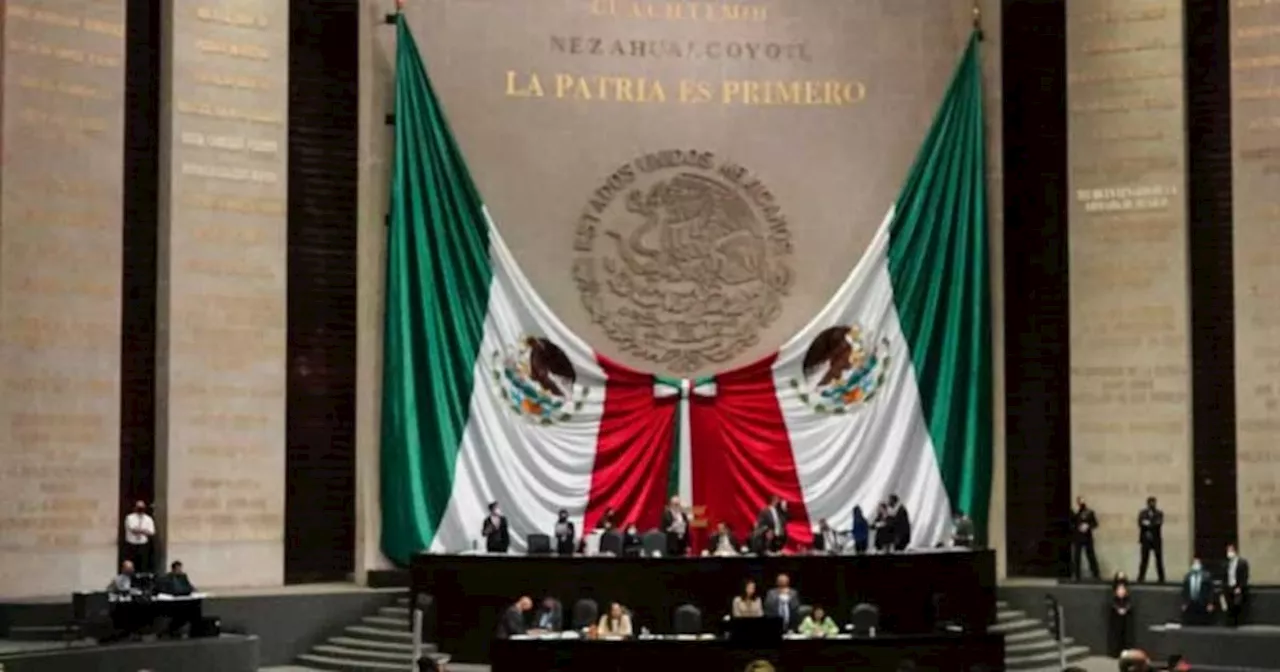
point(747, 604)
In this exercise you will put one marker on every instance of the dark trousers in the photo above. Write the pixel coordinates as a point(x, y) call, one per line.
point(1148, 549)
point(1236, 605)
point(1197, 613)
point(677, 545)
point(142, 556)
point(1084, 547)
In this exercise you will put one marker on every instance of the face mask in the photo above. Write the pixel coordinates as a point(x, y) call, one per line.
point(1231, 555)
point(1195, 567)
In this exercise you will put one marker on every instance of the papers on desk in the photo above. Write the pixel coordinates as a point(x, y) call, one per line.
point(163, 597)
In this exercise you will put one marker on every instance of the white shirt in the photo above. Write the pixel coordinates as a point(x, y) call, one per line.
point(1231, 572)
point(138, 521)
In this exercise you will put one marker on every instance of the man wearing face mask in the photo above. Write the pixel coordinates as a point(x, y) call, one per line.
point(496, 533)
point(1151, 539)
point(139, 530)
point(631, 542)
point(564, 533)
point(1197, 595)
point(1083, 522)
point(1235, 583)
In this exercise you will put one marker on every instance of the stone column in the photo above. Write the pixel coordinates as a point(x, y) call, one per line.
point(1129, 311)
point(1255, 125)
point(61, 191)
point(220, 449)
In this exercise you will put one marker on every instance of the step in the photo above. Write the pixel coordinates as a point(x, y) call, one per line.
point(384, 634)
point(1001, 604)
point(1074, 654)
point(324, 662)
point(381, 645)
point(1027, 636)
point(351, 653)
point(39, 633)
point(1006, 615)
point(387, 622)
point(1046, 643)
point(1020, 625)
point(395, 612)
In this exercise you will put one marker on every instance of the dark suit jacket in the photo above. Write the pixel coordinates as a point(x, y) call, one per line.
point(549, 619)
point(174, 584)
point(632, 544)
point(497, 538)
point(1086, 517)
point(676, 543)
point(512, 623)
point(564, 544)
point(1242, 575)
point(773, 602)
point(1150, 526)
point(1204, 596)
point(900, 522)
point(820, 541)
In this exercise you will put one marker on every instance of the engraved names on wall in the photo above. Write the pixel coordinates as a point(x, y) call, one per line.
point(1255, 120)
point(60, 276)
point(1129, 306)
point(222, 362)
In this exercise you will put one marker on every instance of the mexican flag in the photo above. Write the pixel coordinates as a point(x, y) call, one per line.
point(488, 397)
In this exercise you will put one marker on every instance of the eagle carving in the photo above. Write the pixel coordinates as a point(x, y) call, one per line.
point(548, 362)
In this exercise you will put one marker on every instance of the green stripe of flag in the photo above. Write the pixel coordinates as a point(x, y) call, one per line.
point(938, 263)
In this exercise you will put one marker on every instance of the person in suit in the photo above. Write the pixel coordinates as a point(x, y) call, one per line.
point(861, 532)
point(763, 541)
point(608, 520)
point(722, 542)
point(747, 605)
point(512, 621)
point(783, 601)
point(881, 529)
point(900, 521)
point(773, 517)
point(549, 617)
point(1083, 522)
point(616, 623)
point(632, 544)
point(496, 533)
point(564, 533)
point(1197, 595)
point(1151, 539)
point(1120, 633)
point(675, 522)
point(1235, 583)
point(825, 539)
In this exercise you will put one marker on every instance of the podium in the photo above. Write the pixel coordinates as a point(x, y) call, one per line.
point(699, 529)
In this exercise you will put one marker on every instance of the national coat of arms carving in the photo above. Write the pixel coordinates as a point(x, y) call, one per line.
point(683, 259)
point(537, 381)
point(843, 369)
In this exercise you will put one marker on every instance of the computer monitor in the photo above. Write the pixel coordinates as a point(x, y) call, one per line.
point(763, 631)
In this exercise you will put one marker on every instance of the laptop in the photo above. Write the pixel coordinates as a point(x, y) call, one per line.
point(763, 631)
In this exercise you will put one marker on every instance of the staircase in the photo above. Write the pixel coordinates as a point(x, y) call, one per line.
point(1028, 643)
point(379, 642)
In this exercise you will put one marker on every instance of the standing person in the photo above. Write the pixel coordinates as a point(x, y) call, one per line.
point(1151, 539)
point(139, 533)
point(861, 531)
point(882, 528)
point(1197, 595)
point(1083, 522)
point(900, 521)
point(1236, 584)
point(825, 539)
point(1120, 633)
point(564, 533)
point(675, 522)
point(496, 532)
point(783, 601)
point(773, 517)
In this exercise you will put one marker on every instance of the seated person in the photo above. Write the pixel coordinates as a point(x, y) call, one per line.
point(182, 613)
point(825, 539)
point(564, 533)
point(512, 622)
point(550, 617)
point(747, 605)
point(126, 614)
point(121, 588)
point(175, 582)
point(632, 545)
point(722, 542)
point(818, 624)
point(616, 623)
